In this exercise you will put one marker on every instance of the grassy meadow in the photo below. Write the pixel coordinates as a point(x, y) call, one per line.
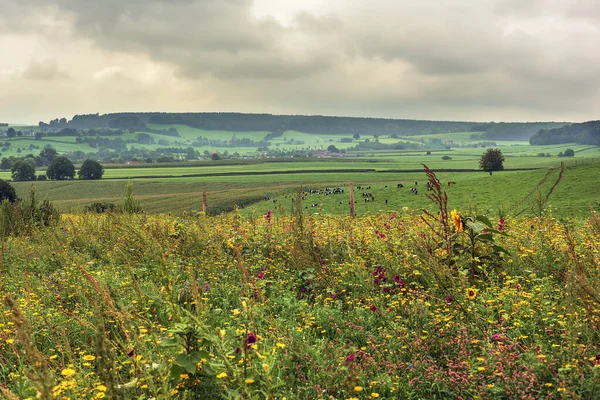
point(392, 305)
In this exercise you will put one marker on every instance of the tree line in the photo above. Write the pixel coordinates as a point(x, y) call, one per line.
point(58, 167)
point(582, 133)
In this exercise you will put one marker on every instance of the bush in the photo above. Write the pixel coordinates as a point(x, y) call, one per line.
point(7, 192)
point(446, 158)
point(100, 207)
point(42, 177)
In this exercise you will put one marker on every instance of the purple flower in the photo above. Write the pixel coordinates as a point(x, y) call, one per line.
point(206, 287)
point(373, 308)
point(250, 340)
point(333, 296)
point(350, 358)
point(496, 337)
point(269, 216)
point(261, 275)
point(130, 353)
point(237, 350)
point(448, 299)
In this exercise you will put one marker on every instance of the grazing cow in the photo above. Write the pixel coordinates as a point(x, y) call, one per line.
point(385, 201)
point(416, 191)
point(416, 183)
point(400, 185)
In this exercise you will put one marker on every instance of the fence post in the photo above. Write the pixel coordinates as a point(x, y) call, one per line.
point(351, 201)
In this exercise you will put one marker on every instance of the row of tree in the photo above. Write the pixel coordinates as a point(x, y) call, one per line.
point(61, 168)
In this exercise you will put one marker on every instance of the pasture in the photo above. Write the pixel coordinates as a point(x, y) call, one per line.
point(226, 186)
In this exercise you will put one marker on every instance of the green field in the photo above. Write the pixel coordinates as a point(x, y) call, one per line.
point(510, 191)
point(178, 187)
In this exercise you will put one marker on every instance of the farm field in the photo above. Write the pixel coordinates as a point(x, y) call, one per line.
point(506, 191)
point(302, 307)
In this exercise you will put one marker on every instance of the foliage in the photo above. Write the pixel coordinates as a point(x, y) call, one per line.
point(299, 306)
point(582, 133)
point(90, 169)
point(22, 217)
point(492, 160)
point(130, 204)
point(7, 192)
point(23, 171)
point(61, 168)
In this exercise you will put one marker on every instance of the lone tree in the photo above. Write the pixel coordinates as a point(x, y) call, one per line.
point(492, 160)
point(23, 171)
point(90, 169)
point(7, 192)
point(60, 169)
point(569, 153)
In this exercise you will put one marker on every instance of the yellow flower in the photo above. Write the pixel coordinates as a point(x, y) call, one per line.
point(101, 388)
point(472, 293)
point(222, 375)
point(89, 357)
point(358, 388)
point(457, 220)
point(249, 381)
point(374, 395)
point(67, 372)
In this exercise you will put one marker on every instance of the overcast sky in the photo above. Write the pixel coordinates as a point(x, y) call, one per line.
point(478, 60)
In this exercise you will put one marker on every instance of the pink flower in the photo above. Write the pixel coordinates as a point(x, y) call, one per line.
point(496, 337)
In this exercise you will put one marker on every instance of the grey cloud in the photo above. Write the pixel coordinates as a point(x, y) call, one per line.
point(409, 58)
point(44, 70)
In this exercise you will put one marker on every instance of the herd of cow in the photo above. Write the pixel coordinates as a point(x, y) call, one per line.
point(366, 194)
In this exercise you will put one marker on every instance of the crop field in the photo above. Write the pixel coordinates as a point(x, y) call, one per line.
point(503, 192)
point(394, 305)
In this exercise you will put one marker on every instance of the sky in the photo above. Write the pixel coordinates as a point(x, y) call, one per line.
point(474, 60)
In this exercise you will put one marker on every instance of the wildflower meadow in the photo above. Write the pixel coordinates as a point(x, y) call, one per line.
point(445, 304)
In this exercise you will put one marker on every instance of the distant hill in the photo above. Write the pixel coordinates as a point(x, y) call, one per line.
point(583, 133)
point(513, 130)
point(240, 122)
point(317, 124)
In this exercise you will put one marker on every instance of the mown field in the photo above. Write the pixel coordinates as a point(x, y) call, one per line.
point(395, 305)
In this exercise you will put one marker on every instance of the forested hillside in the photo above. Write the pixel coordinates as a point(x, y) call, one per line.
point(513, 130)
point(583, 133)
point(268, 122)
point(277, 124)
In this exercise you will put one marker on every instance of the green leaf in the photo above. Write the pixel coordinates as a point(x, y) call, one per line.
point(175, 371)
point(486, 237)
point(485, 221)
point(171, 342)
point(190, 361)
point(476, 227)
point(500, 249)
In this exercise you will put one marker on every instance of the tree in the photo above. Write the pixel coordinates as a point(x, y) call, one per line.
point(333, 149)
point(23, 171)
point(356, 136)
point(48, 154)
point(90, 169)
point(60, 169)
point(492, 160)
point(569, 153)
point(11, 132)
point(7, 192)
